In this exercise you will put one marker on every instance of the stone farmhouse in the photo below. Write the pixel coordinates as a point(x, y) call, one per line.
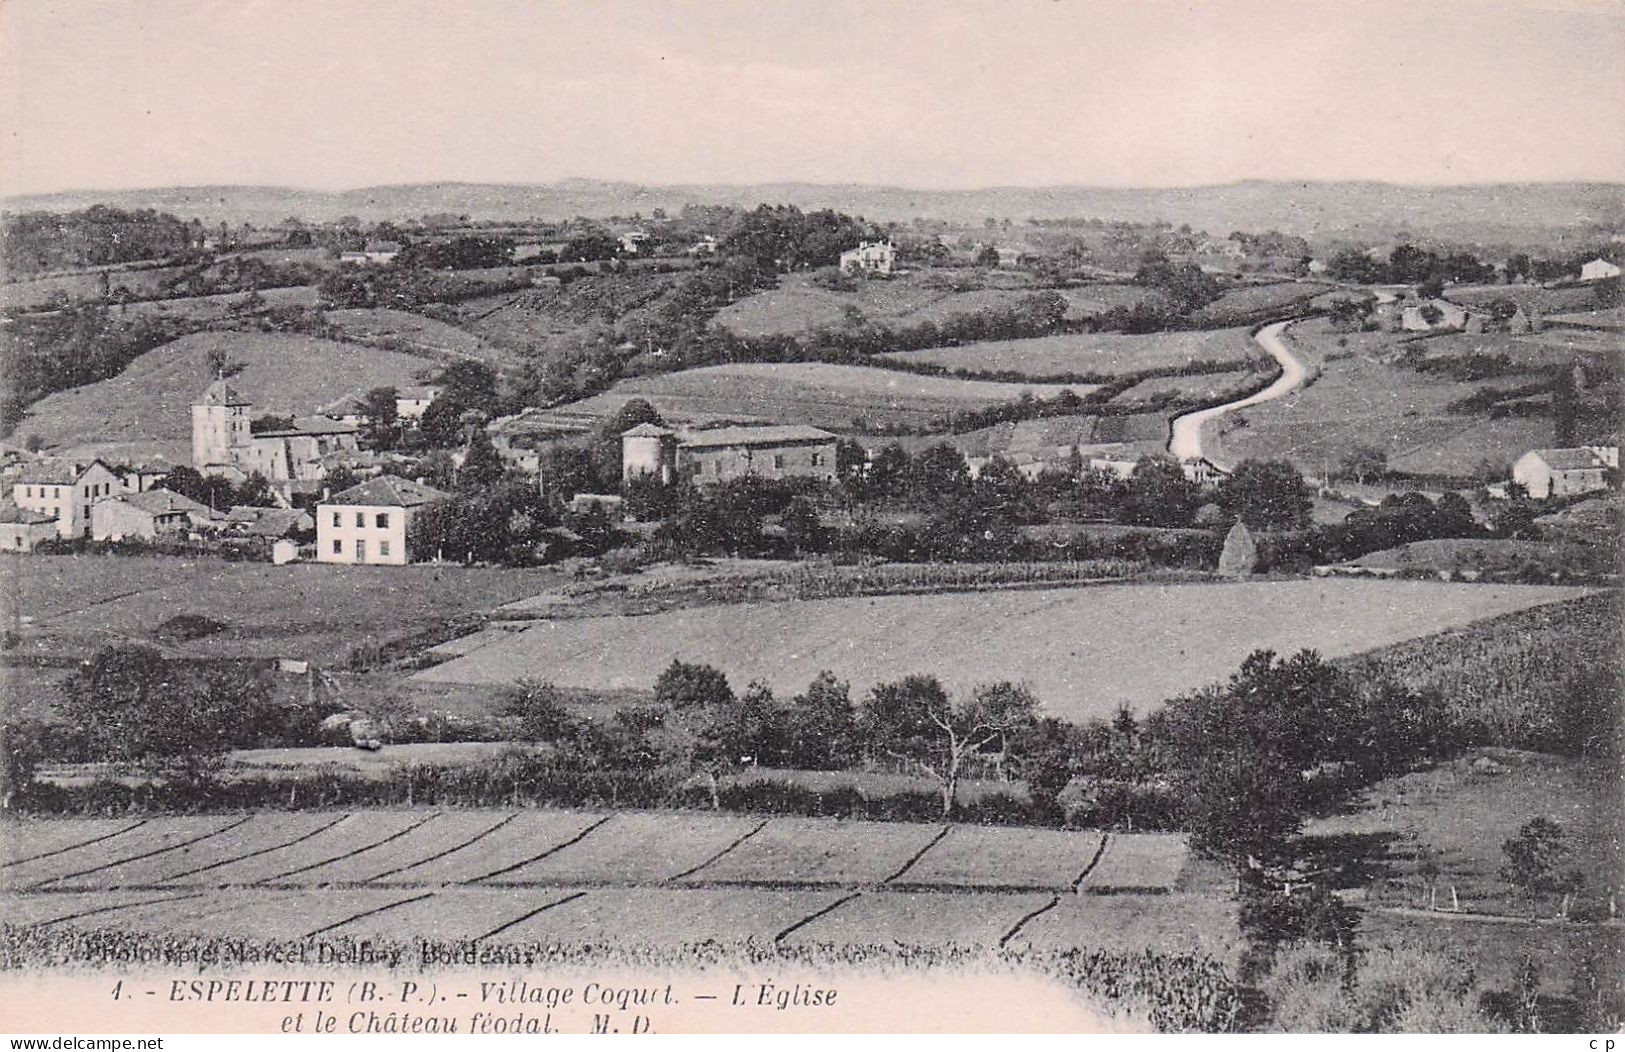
point(148, 515)
point(1598, 270)
point(21, 529)
point(375, 254)
point(66, 491)
point(870, 257)
point(368, 523)
point(223, 443)
point(719, 454)
point(1547, 473)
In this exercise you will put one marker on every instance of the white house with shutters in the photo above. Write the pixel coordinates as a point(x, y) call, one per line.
point(368, 523)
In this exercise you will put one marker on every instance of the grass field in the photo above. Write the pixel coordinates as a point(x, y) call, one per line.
point(1070, 644)
point(1359, 400)
point(1101, 353)
point(798, 305)
point(1576, 297)
point(1089, 300)
point(812, 393)
point(412, 333)
point(151, 399)
point(1461, 815)
point(71, 605)
point(1211, 388)
point(1250, 303)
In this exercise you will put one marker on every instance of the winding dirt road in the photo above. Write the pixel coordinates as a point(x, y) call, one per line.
point(1186, 439)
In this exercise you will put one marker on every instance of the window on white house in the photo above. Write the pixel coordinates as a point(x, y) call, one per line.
point(360, 519)
point(817, 459)
point(778, 461)
point(383, 549)
point(383, 520)
point(338, 546)
point(337, 520)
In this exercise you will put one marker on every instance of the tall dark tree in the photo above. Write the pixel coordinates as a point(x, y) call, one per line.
point(1267, 495)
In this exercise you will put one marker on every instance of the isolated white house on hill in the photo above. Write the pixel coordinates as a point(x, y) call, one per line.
point(1565, 472)
point(1598, 270)
point(870, 257)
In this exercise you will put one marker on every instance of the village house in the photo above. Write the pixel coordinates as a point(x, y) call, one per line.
point(66, 491)
point(1598, 270)
point(272, 523)
point(410, 405)
point(368, 523)
point(1546, 473)
point(870, 257)
point(705, 246)
point(21, 529)
point(138, 478)
point(723, 453)
point(632, 242)
point(1012, 255)
point(412, 402)
point(375, 254)
point(224, 444)
point(148, 515)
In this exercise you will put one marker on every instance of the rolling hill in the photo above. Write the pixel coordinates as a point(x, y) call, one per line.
point(1484, 213)
point(148, 403)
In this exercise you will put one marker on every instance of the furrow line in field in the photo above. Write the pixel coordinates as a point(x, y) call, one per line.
point(1055, 900)
point(740, 840)
point(1100, 852)
point(476, 838)
point(523, 917)
point(578, 838)
point(120, 906)
point(147, 854)
point(933, 842)
point(74, 847)
point(349, 854)
point(255, 854)
point(803, 922)
point(369, 913)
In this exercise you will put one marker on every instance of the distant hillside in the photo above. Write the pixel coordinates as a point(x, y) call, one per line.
point(1372, 211)
point(150, 400)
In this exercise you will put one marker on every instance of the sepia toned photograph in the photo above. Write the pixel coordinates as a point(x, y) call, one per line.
point(678, 517)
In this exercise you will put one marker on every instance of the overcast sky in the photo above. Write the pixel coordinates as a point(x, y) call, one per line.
point(344, 93)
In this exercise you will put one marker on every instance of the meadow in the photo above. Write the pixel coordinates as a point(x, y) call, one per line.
point(818, 393)
point(1102, 354)
point(798, 305)
point(1357, 399)
point(1247, 304)
point(71, 605)
point(1536, 297)
point(279, 373)
point(1073, 646)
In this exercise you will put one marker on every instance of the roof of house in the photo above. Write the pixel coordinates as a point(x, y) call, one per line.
point(164, 502)
point(221, 393)
point(1568, 459)
point(754, 436)
point(57, 472)
point(267, 522)
point(383, 246)
point(312, 425)
point(347, 405)
point(417, 394)
point(13, 514)
point(646, 430)
point(388, 491)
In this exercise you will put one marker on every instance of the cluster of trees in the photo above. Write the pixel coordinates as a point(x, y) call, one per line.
point(218, 492)
point(457, 253)
point(406, 288)
point(696, 722)
point(96, 236)
point(1409, 265)
point(44, 353)
point(782, 238)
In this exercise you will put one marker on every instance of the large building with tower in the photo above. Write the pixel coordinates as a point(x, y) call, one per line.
point(723, 453)
point(224, 443)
